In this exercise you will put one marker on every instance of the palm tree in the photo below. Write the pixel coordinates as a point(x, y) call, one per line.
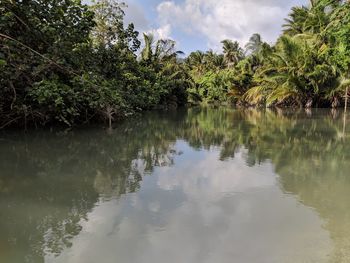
point(219, 61)
point(233, 53)
point(196, 62)
point(310, 20)
point(297, 72)
point(340, 30)
point(338, 90)
point(296, 22)
point(158, 51)
point(147, 51)
point(254, 44)
point(166, 50)
point(214, 61)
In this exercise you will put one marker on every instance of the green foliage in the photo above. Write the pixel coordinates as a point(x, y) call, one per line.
point(57, 100)
point(38, 42)
point(172, 78)
point(254, 44)
point(64, 61)
point(233, 53)
point(308, 66)
point(214, 86)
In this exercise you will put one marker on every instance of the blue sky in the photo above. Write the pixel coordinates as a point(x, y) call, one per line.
point(145, 14)
point(202, 24)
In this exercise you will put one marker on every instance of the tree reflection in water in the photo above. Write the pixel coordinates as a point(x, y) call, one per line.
point(49, 182)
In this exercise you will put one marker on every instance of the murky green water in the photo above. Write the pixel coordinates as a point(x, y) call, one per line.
point(197, 185)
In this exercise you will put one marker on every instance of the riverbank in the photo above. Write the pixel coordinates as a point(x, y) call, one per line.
point(84, 64)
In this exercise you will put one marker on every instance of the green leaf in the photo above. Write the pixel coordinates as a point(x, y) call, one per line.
point(3, 63)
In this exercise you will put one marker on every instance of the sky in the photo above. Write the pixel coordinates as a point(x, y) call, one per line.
point(203, 24)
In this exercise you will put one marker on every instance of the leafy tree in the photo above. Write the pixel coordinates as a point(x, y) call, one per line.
point(38, 42)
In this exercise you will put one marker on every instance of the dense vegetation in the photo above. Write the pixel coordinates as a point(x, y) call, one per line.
point(308, 66)
point(63, 61)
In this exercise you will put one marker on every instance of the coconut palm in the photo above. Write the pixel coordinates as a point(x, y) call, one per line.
point(296, 73)
point(296, 22)
point(338, 90)
point(196, 62)
point(310, 20)
point(166, 50)
point(233, 53)
point(214, 61)
point(254, 44)
point(158, 51)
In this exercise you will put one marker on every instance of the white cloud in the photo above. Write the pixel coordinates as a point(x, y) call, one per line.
point(136, 15)
point(202, 210)
point(162, 32)
point(221, 19)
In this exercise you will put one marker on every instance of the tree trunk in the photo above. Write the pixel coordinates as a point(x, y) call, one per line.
point(335, 102)
point(345, 109)
point(346, 99)
point(14, 94)
point(309, 103)
point(109, 114)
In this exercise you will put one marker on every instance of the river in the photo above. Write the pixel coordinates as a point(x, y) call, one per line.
point(193, 185)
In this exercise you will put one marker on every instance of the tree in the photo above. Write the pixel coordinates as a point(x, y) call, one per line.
point(108, 17)
point(233, 53)
point(340, 32)
point(297, 18)
point(254, 44)
point(158, 51)
point(196, 62)
point(38, 42)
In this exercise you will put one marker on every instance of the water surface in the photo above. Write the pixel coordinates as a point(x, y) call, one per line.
point(196, 185)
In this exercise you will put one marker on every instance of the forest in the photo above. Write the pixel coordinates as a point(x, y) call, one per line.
point(64, 62)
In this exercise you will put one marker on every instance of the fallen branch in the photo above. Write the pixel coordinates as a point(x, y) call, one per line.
point(8, 123)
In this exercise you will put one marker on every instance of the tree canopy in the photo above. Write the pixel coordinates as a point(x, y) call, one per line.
point(67, 62)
